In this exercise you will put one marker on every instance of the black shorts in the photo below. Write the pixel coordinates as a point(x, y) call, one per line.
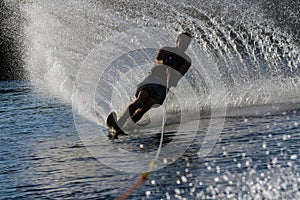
point(156, 91)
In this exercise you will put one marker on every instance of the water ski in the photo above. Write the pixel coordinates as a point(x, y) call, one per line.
point(113, 130)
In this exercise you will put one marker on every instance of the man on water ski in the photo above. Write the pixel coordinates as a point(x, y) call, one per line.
point(171, 63)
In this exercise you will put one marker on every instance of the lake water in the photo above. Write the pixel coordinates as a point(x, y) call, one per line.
point(232, 130)
point(42, 157)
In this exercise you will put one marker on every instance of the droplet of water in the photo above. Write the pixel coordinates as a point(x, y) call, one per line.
point(293, 157)
point(148, 193)
point(225, 178)
point(177, 191)
point(165, 161)
point(284, 137)
point(264, 145)
point(274, 161)
point(184, 179)
point(168, 196)
point(247, 163)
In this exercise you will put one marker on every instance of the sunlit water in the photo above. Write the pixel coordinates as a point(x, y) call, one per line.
point(42, 157)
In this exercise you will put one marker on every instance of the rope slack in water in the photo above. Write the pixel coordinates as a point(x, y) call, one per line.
point(138, 183)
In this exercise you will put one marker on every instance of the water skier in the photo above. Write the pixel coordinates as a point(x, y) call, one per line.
point(171, 63)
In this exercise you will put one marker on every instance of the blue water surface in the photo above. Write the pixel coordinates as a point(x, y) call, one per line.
point(42, 157)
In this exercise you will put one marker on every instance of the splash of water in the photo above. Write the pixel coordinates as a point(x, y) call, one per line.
point(258, 60)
